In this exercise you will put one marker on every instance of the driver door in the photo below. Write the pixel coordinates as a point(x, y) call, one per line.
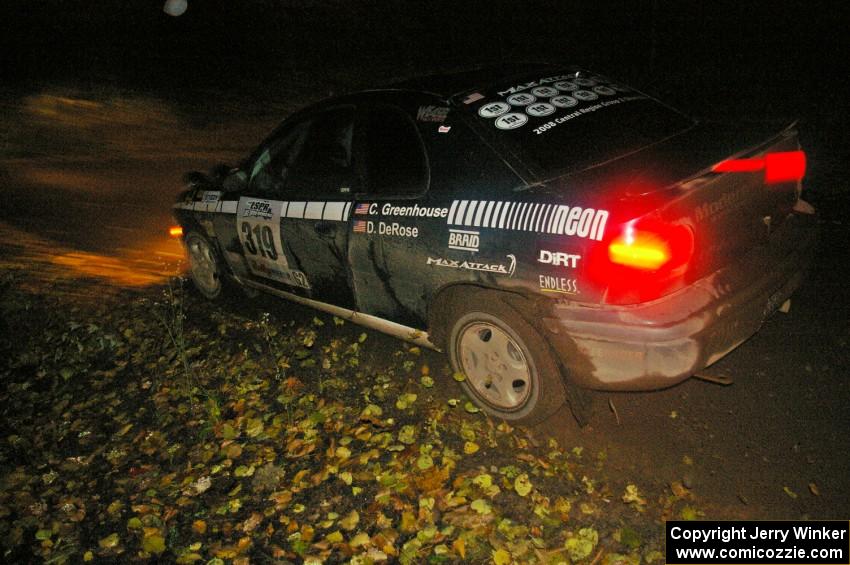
point(292, 219)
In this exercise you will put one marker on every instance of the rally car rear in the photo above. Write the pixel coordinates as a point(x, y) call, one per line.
point(688, 270)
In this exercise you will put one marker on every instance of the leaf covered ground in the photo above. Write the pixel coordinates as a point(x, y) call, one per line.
point(151, 425)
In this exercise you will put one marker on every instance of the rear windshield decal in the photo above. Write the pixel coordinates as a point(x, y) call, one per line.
point(555, 219)
point(544, 97)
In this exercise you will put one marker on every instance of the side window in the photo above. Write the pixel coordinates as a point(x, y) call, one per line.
point(395, 163)
point(313, 157)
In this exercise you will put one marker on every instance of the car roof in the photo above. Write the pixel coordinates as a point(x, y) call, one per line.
point(450, 84)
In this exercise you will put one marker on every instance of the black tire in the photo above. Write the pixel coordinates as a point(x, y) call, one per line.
point(205, 266)
point(491, 344)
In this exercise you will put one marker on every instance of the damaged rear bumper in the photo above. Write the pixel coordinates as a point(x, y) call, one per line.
point(660, 343)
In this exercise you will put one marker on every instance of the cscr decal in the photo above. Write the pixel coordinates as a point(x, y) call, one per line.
point(585, 95)
point(464, 240)
point(258, 226)
point(537, 217)
point(494, 109)
point(511, 121)
point(540, 109)
point(559, 285)
point(544, 91)
point(210, 196)
point(496, 268)
point(432, 114)
point(521, 99)
point(385, 228)
point(558, 258)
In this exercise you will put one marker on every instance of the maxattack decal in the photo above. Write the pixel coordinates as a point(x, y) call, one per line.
point(556, 219)
point(558, 284)
point(497, 268)
point(464, 240)
point(568, 260)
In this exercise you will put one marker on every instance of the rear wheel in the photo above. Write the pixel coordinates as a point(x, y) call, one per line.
point(204, 266)
point(510, 371)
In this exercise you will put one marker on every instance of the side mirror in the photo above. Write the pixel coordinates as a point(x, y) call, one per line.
point(236, 181)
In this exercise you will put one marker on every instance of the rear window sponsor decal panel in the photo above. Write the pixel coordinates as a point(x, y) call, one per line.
point(527, 103)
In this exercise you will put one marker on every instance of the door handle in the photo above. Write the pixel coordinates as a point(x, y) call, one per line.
point(325, 228)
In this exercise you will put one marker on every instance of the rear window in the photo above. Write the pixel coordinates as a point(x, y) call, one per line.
point(562, 123)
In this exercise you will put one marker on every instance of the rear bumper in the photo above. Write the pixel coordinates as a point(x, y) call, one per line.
point(660, 343)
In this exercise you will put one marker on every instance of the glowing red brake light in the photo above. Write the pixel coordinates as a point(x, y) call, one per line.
point(788, 166)
point(783, 166)
point(640, 249)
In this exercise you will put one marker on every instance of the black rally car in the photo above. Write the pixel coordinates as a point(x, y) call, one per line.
point(541, 225)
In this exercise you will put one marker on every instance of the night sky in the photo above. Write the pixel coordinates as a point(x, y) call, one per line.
point(732, 60)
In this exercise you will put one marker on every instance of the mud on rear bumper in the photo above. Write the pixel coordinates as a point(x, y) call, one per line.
point(660, 343)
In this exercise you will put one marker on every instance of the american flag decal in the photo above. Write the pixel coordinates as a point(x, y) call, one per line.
point(362, 208)
point(360, 226)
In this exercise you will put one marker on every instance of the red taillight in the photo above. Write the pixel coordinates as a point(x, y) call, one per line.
point(642, 261)
point(175, 231)
point(789, 166)
point(784, 166)
point(639, 249)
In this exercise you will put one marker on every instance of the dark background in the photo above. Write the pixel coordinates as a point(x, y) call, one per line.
point(732, 60)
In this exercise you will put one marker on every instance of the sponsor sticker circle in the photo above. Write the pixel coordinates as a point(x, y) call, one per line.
point(604, 90)
point(493, 109)
point(582, 81)
point(566, 86)
point(585, 95)
point(521, 99)
point(544, 91)
point(564, 101)
point(511, 121)
point(539, 109)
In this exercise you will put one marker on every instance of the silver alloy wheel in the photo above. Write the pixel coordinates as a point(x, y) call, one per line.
point(203, 265)
point(495, 365)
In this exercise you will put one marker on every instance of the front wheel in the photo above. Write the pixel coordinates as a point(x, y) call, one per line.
point(510, 371)
point(204, 266)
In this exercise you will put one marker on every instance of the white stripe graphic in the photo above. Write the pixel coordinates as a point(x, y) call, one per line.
point(313, 211)
point(487, 214)
point(334, 211)
point(533, 220)
point(496, 212)
point(345, 212)
point(229, 206)
point(480, 213)
point(452, 212)
point(296, 210)
point(470, 212)
point(460, 211)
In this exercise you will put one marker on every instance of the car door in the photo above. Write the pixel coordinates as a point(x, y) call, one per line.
point(292, 218)
point(394, 222)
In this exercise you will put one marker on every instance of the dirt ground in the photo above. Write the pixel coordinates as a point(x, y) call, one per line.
point(773, 445)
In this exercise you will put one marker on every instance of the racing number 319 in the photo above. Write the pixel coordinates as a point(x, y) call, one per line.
point(264, 240)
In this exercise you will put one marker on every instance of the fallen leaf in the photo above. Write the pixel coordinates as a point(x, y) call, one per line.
point(522, 485)
point(109, 541)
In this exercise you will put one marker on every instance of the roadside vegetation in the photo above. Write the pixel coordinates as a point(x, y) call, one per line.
point(151, 425)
